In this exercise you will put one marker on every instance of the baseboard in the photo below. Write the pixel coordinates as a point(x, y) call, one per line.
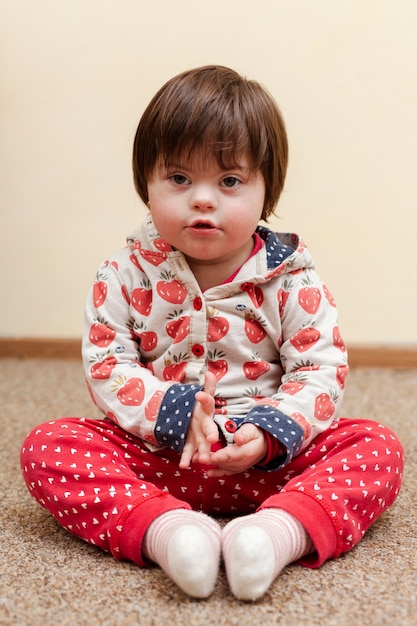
point(394, 357)
point(40, 348)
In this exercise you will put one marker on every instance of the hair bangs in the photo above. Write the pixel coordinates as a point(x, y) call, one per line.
point(226, 148)
point(212, 112)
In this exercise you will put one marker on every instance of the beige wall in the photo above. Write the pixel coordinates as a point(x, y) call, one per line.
point(76, 75)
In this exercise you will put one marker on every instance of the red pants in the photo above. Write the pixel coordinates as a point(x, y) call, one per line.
point(104, 486)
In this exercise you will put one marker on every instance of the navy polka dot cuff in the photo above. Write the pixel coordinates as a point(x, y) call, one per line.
point(286, 430)
point(174, 416)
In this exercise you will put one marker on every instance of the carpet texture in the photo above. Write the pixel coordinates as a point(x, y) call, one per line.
point(49, 578)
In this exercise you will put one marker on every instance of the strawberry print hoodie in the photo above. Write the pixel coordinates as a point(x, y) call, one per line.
point(270, 335)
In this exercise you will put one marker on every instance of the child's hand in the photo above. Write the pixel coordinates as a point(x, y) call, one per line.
point(248, 449)
point(203, 431)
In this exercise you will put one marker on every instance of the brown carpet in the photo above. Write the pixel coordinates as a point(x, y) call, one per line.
point(49, 578)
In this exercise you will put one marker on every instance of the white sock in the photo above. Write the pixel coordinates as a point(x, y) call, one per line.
point(257, 547)
point(186, 545)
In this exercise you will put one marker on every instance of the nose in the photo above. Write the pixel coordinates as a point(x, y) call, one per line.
point(203, 198)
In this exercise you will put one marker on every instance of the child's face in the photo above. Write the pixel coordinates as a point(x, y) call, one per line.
point(206, 212)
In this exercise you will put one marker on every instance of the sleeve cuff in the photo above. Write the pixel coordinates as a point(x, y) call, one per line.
point(274, 451)
point(280, 427)
point(174, 416)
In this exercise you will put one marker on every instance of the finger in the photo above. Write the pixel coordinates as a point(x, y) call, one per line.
point(206, 401)
point(246, 433)
point(186, 456)
point(224, 456)
point(203, 447)
point(203, 457)
point(210, 382)
point(211, 431)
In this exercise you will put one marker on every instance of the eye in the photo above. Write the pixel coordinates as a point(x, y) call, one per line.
point(179, 179)
point(230, 182)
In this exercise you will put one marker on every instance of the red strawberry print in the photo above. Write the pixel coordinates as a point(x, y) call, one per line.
point(125, 294)
point(112, 417)
point(179, 326)
point(255, 368)
point(254, 328)
point(113, 263)
point(337, 339)
point(154, 258)
point(283, 295)
point(175, 370)
point(305, 338)
point(324, 406)
point(102, 367)
point(293, 386)
point(99, 290)
point(220, 405)
point(303, 422)
point(135, 261)
point(142, 298)
point(341, 374)
point(253, 393)
point(101, 334)
point(329, 296)
point(217, 364)
point(134, 244)
point(268, 402)
point(152, 406)
point(132, 391)
point(218, 327)
point(309, 297)
point(255, 293)
point(170, 289)
point(148, 340)
point(281, 269)
point(162, 244)
point(219, 402)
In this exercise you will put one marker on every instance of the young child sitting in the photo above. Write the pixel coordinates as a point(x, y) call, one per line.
point(213, 350)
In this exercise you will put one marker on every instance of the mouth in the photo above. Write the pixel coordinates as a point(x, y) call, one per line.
point(202, 226)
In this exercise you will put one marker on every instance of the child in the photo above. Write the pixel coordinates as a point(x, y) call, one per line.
point(214, 352)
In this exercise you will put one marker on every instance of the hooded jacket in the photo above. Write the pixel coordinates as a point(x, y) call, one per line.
point(270, 335)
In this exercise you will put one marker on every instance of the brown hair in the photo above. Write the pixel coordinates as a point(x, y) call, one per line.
point(215, 109)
